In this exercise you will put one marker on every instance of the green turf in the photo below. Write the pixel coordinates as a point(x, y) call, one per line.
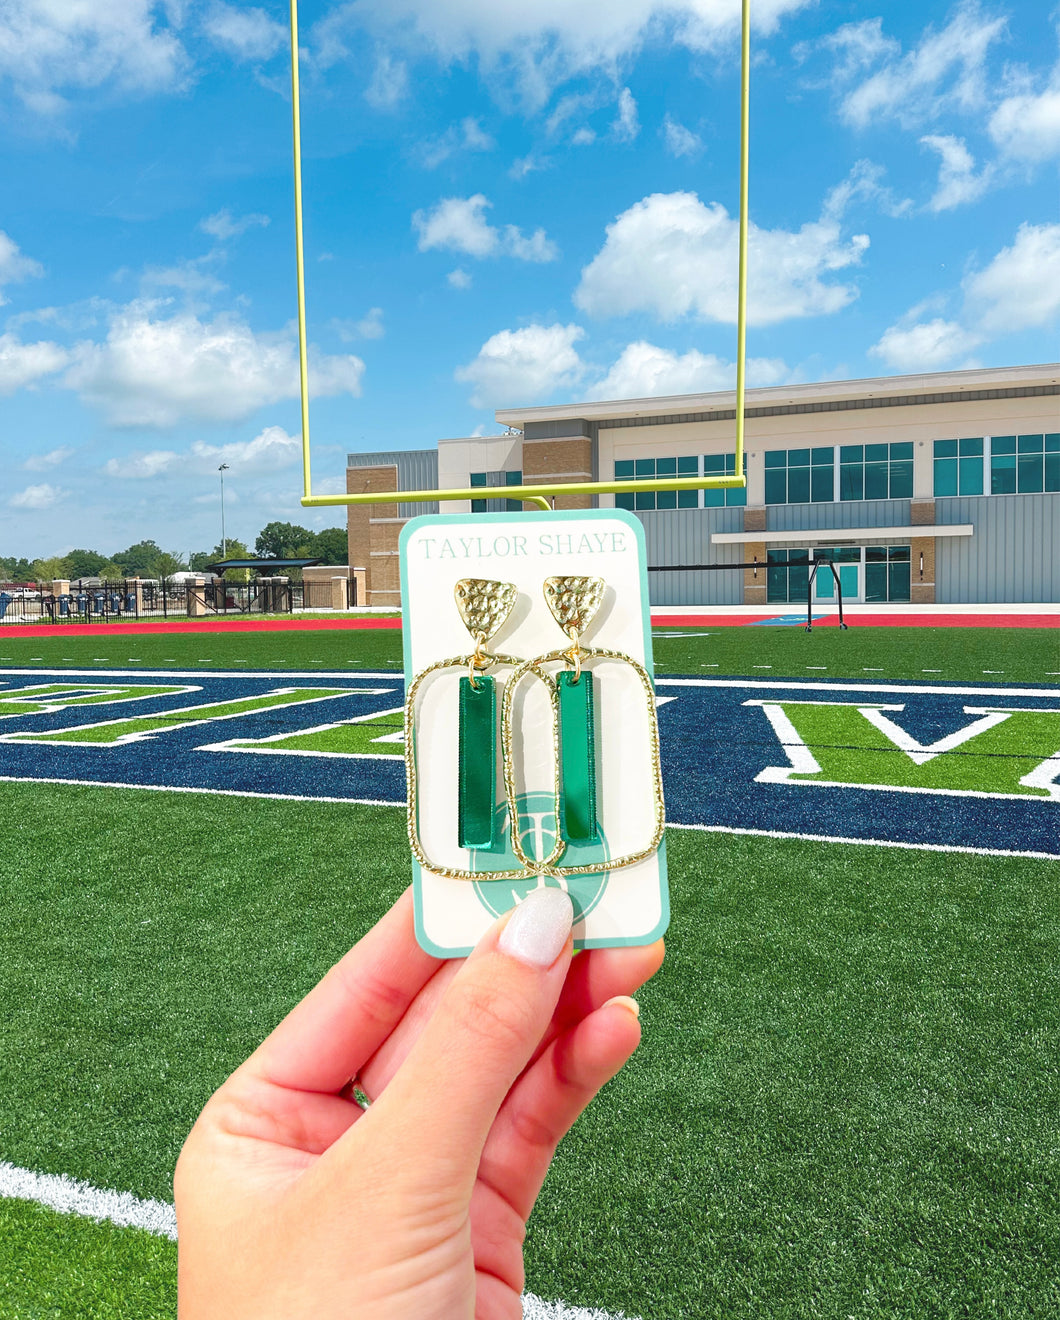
point(989, 655)
point(371, 736)
point(113, 730)
point(845, 1104)
point(63, 1267)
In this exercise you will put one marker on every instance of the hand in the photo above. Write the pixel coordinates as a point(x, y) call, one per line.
point(294, 1202)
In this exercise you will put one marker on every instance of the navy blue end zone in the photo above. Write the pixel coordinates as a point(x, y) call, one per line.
point(719, 751)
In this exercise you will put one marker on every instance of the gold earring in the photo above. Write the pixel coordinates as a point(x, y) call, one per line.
point(574, 603)
point(484, 607)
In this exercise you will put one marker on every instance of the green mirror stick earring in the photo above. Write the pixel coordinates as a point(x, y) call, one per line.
point(574, 603)
point(484, 607)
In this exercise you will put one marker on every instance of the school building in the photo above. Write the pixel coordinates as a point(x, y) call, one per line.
point(943, 487)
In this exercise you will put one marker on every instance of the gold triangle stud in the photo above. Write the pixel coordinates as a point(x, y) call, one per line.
point(484, 605)
point(574, 602)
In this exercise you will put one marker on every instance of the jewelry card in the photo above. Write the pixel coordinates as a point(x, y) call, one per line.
point(529, 697)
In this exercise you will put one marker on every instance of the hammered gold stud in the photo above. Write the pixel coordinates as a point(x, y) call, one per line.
point(484, 605)
point(574, 602)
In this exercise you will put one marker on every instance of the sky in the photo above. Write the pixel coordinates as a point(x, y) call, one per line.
point(506, 204)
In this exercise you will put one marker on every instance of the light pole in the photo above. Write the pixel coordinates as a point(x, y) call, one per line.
point(224, 542)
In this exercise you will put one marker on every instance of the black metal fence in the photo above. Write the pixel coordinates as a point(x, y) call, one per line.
point(95, 601)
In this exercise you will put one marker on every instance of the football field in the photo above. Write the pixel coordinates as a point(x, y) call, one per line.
point(845, 1101)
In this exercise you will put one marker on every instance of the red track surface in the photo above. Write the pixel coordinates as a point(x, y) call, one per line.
point(195, 626)
point(939, 620)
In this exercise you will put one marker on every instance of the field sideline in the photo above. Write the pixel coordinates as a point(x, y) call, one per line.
point(845, 1100)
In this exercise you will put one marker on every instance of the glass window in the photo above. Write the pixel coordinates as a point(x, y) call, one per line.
point(478, 478)
point(875, 554)
point(969, 448)
point(667, 499)
point(1052, 444)
point(776, 485)
point(852, 481)
point(625, 502)
point(898, 552)
point(689, 499)
point(1003, 444)
point(852, 454)
point(1002, 473)
point(713, 465)
point(1030, 444)
point(875, 478)
point(645, 467)
point(945, 448)
point(623, 468)
point(513, 479)
point(797, 476)
point(875, 453)
point(971, 475)
point(902, 480)
point(666, 467)
point(902, 451)
point(945, 473)
point(1052, 472)
point(1029, 474)
point(821, 482)
point(875, 582)
point(688, 466)
point(898, 578)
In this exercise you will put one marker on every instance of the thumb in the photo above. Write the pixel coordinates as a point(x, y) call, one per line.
point(442, 1102)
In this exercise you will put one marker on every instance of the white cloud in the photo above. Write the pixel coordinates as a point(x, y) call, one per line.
point(679, 141)
point(626, 125)
point(523, 365)
point(51, 46)
point(223, 225)
point(459, 279)
point(53, 458)
point(1027, 127)
point(390, 82)
point(958, 182)
point(645, 371)
point(1018, 290)
point(24, 364)
point(541, 45)
point(925, 346)
point(142, 467)
point(154, 370)
point(370, 326)
point(248, 34)
point(864, 184)
point(673, 256)
point(947, 69)
point(193, 277)
point(272, 450)
point(583, 137)
point(14, 264)
point(459, 224)
point(524, 165)
point(37, 497)
point(468, 135)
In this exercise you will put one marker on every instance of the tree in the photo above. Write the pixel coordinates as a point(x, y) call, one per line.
point(284, 540)
point(233, 549)
point(84, 563)
point(332, 546)
point(16, 570)
point(45, 570)
point(139, 560)
point(166, 565)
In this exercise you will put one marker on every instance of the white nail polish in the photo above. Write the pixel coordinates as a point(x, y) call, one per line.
point(538, 928)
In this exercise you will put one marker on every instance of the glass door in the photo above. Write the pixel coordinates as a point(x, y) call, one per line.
point(847, 560)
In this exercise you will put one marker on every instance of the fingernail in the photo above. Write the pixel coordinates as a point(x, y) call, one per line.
point(538, 928)
point(624, 1001)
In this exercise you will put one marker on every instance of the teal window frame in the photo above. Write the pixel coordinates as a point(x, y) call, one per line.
point(958, 467)
point(723, 465)
point(882, 471)
point(641, 469)
point(800, 476)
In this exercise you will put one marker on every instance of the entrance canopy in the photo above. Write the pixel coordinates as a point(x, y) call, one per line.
point(259, 565)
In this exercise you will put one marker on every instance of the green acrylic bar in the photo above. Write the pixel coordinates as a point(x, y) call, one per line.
point(577, 757)
point(478, 762)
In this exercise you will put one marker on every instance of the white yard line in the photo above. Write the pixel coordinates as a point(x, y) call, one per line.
point(872, 843)
point(68, 1196)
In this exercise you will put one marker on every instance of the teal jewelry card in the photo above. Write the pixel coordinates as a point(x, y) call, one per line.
point(530, 729)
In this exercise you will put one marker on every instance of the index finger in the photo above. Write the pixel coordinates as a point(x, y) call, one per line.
point(344, 1019)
